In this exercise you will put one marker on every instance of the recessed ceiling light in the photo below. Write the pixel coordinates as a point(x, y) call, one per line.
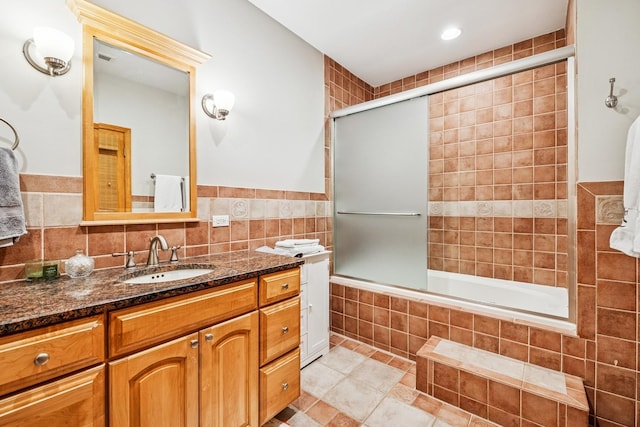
point(450, 33)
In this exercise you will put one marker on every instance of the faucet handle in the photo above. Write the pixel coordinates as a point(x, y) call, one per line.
point(131, 261)
point(174, 253)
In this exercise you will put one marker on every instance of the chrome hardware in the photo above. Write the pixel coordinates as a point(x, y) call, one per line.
point(285, 386)
point(194, 343)
point(131, 261)
point(174, 253)
point(41, 359)
point(152, 260)
point(285, 286)
point(285, 329)
point(208, 337)
point(611, 101)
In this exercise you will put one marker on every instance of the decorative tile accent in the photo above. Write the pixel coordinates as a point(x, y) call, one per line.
point(609, 210)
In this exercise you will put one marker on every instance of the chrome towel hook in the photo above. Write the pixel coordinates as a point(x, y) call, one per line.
point(611, 101)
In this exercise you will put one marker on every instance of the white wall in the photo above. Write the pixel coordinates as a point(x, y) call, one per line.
point(273, 138)
point(608, 42)
point(159, 127)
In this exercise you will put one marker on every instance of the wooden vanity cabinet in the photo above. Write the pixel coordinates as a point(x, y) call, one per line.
point(73, 352)
point(279, 342)
point(204, 377)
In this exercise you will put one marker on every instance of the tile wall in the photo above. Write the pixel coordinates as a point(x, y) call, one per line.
point(497, 175)
point(606, 351)
point(53, 209)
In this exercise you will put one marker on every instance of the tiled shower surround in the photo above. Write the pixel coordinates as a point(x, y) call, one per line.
point(606, 351)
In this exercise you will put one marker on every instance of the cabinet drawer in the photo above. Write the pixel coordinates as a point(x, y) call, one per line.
point(279, 385)
point(145, 325)
point(34, 356)
point(279, 329)
point(74, 400)
point(279, 286)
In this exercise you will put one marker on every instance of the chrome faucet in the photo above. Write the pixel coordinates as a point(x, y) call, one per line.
point(152, 260)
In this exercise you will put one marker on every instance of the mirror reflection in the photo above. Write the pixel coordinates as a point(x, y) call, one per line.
point(141, 133)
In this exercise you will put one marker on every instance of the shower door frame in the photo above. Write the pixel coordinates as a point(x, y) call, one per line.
point(550, 57)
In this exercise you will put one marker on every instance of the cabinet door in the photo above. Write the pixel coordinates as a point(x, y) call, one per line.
point(76, 400)
point(229, 373)
point(318, 306)
point(156, 387)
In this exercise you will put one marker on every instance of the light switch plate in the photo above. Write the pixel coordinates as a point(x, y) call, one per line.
point(220, 221)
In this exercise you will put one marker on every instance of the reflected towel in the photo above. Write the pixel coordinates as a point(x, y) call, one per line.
point(168, 193)
point(12, 221)
point(626, 238)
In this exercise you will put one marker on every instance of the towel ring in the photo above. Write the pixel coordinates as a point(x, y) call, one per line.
point(17, 138)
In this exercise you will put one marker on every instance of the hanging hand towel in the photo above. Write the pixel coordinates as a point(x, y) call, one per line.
point(626, 238)
point(12, 222)
point(168, 193)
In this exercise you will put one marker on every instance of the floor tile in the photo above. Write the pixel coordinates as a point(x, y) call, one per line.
point(354, 398)
point(342, 360)
point(377, 375)
point(358, 385)
point(391, 412)
point(317, 379)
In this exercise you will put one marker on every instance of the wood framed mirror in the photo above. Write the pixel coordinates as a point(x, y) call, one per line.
point(138, 123)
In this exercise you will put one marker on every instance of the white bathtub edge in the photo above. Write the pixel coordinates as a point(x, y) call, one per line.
point(557, 325)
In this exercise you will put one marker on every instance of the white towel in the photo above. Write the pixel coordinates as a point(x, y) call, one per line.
point(12, 220)
point(168, 193)
point(293, 252)
point(626, 238)
point(296, 243)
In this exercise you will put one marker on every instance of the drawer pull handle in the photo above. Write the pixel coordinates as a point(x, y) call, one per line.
point(41, 359)
point(285, 286)
point(208, 337)
point(285, 386)
point(285, 329)
point(194, 343)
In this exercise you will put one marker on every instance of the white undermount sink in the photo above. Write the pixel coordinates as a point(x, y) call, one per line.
point(168, 276)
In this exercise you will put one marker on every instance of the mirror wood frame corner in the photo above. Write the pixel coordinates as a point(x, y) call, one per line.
point(99, 24)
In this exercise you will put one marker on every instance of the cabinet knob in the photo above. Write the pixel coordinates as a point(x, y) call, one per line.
point(208, 337)
point(285, 329)
point(194, 343)
point(41, 359)
point(285, 386)
point(285, 286)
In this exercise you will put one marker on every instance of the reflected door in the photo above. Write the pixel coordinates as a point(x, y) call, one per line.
point(380, 172)
point(113, 150)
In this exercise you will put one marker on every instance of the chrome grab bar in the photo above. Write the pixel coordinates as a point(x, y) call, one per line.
point(380, 213)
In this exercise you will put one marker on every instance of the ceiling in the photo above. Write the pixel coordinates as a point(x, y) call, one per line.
point(381, 41)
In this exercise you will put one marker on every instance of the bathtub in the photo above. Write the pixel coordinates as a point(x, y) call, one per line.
point(537, 305)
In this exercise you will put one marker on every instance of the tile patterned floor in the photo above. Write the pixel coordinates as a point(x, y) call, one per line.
point(357, 385)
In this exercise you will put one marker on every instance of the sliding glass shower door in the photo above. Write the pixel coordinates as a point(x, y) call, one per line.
point(380, 194)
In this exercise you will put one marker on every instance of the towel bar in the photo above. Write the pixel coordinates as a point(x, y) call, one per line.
point(380, 213)
point(17, 138)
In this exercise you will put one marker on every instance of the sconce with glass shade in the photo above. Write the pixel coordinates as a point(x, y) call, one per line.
point(219, 104)
point(49, 51)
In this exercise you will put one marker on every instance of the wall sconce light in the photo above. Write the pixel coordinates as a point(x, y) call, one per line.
point(221, 104)
point(49, 51)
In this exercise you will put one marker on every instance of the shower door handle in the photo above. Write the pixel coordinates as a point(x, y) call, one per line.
point(379, 213)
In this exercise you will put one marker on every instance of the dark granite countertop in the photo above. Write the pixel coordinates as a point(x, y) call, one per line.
point(27, 305)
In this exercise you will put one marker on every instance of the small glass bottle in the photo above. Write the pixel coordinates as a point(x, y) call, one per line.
point(79, 265)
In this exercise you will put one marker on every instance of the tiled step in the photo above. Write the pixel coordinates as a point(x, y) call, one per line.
point(504, 390)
